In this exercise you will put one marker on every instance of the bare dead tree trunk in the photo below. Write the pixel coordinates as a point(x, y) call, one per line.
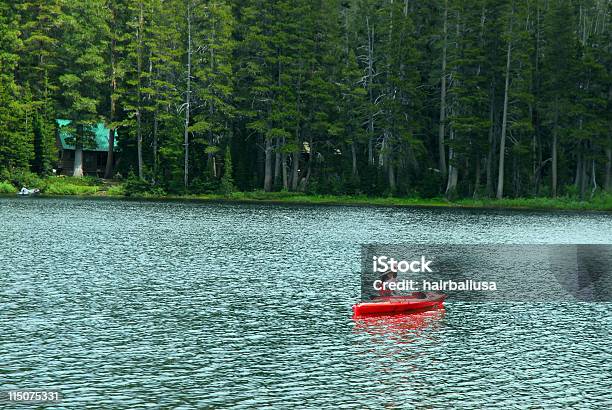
point(304, 181)
point(491, 152)
point(277, 163)
point(78, 162)
point(295, 170)
point(150, 94)
point(441, 131)
point(155, 143)
point(534, 158)
point(502, 143)
point(608, 180)
point(211, 135)
point(370, 61)
point(578, 171)
point(451, 186)
point(391, 175)
point(608, 183)
point(583, 179)
point(285, 171)
point(295, 174)
point(553, 184)
point(108, 171)
point(354, 158)
point(268, 166)
point(78, 152)
point(477, 181)
point(139, 96)
point(593, 179)
point(187, 97)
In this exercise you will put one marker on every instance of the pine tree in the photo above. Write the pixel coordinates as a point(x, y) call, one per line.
point(40, 26)
point(82, 72)
point(212, 82)
point(559, 68)
point(227, 180)
point(16, 107)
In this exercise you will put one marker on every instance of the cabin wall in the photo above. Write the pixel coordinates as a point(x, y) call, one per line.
point(94, 162)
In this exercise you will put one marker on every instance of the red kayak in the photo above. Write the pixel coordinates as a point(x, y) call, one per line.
point(400, 304)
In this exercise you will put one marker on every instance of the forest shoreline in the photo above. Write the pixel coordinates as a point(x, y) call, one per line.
point(391, 202)
point(55, 188)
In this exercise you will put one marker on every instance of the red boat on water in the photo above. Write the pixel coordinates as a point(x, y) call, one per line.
point(389, 305)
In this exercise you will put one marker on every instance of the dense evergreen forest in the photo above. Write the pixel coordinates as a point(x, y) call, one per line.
point(500, 98)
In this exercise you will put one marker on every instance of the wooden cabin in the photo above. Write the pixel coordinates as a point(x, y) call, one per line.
point(94, 153)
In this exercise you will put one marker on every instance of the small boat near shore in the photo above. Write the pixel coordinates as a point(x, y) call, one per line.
point(418, 301)
point(28, 192)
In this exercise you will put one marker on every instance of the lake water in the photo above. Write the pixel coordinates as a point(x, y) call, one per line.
point(198, 305)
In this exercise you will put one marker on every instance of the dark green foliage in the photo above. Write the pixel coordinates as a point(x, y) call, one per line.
point(135, 186)
point(227, 180)
point(205, 184)
point(325, 97)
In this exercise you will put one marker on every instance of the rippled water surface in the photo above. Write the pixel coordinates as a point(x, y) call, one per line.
point(121, 304)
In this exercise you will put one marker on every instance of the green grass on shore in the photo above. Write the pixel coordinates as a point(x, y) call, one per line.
point(55, 185)
point(70, 186)
point(96, 187)
point(7, 188)
point(601, 202)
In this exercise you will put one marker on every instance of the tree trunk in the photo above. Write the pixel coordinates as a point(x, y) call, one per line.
point(492, 146)
point(78, 162)
point(538, 179)
point(187, 96)
point(593, 179)
point(516, 179)
point(277, 163)
point(391, 174)
point(155, 143)
point(583, 179)
point(534, 157)
point(578, 173)
point(370, 62)
point(608, 183)
point(295, 170)
point(155, 108)
point(304, 181)
point(553, 184)
point(285, 172)
point(139, 112)
point(502, 143)
point(78, 153)
point(268, 166)
point(108, 171)
point(477, 181)
point(441, 131)
point(451, 185)
point(354, 158)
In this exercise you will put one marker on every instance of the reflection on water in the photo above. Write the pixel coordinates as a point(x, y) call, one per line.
point(402, 327)
point(124, 304)
point(398, 323)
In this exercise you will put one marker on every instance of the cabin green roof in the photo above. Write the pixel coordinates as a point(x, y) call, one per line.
point(100, 136)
